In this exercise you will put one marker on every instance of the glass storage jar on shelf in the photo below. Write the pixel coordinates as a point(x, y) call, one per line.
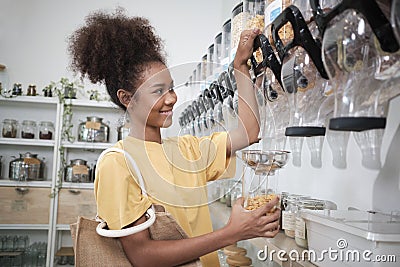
point(300, 228)
point(31, 91)
point(290, 212)
point(46, 130)
point(93, 130)
point(77, 171)
point(10, 128)
point(28, 130)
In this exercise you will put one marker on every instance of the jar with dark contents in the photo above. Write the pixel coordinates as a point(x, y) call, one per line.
point(46, 130)
point(28, 129)
point(17, 89)
point(10, 128)
point(31, 91)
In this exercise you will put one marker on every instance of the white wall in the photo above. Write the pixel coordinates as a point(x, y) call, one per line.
point(33, 47)
point(33, 34)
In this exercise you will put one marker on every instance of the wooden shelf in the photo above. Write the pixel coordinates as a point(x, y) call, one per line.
point(24, 227)
point(6, 182)
point(65, 251)
point(90, 103)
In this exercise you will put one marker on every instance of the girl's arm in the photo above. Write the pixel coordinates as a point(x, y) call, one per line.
point(248, 116)
point(141, 250)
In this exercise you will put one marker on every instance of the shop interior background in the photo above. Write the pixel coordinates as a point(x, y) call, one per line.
point(33, 42)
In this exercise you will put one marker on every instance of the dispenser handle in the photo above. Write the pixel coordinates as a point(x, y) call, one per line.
point(301, 37)
point(269, 59)
point(380, 25)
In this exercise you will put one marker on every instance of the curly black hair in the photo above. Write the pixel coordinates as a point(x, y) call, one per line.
point(114, 49)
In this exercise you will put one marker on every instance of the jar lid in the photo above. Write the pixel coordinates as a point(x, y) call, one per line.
point(234, 250)
point(46, 123)
point(237, 9)
point(28, 122)
point(78, 162)
point(94, 118)
point(9, 121)
point(228, 21)
point(28, 155)
point(238, 260)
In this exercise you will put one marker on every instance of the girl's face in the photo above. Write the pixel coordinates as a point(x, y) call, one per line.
point(152, 104)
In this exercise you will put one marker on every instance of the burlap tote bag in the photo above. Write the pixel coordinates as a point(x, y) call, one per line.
point(92, 249)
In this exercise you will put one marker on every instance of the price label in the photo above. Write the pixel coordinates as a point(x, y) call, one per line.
point(93, 125)
point(79, 170)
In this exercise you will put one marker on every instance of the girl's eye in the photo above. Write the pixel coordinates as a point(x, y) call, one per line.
point(159, 91)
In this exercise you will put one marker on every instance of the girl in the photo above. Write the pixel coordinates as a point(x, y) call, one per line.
point(125, 54)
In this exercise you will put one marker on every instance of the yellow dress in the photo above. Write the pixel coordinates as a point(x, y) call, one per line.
point(176, 173)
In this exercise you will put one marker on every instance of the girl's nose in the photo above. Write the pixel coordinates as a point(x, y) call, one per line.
point(170, 98)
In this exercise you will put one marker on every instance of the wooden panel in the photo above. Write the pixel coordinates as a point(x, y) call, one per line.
point(74, 203)
point(28, 207)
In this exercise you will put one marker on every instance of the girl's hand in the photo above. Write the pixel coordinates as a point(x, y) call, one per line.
point(245, 47)
point(246, 224)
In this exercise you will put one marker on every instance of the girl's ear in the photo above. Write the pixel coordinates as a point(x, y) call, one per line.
point(124, 97)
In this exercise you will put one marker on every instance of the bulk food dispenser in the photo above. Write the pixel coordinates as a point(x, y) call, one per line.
point(217, 66)
point(304, 80)
point(236, 28)
point(358, 67)
point(226, 44)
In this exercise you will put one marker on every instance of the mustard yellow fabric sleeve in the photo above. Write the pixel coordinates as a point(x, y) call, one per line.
point(118, 196)
point(212, 150)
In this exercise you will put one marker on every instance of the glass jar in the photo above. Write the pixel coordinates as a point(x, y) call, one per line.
point(28, 129)
point(93, 130)
point(10, 128)
point(289, 216)
point(77, 171)
point(300, 228)
point(236, 28)
point(46, 130)
point(226, 44)
point(17, 89)
point(31, 91)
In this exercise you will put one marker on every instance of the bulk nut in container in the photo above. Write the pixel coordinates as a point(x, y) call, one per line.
point(272, 10)
point(236, 27)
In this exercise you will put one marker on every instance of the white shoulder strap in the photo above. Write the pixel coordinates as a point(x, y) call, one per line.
point(150, 214)
point(131, 161)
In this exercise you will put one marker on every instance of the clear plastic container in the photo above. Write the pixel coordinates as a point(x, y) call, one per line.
point(236, 28)
point(46, 130)
point(10, 128)
point(28, 130)
point(253, 14)
point(300, 235)
point(203, 70)
point(217, 68)
point(272, 10)
point(226, 44)
point(210, 62)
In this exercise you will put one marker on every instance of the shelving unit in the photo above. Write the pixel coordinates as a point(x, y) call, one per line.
point(51, 204)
